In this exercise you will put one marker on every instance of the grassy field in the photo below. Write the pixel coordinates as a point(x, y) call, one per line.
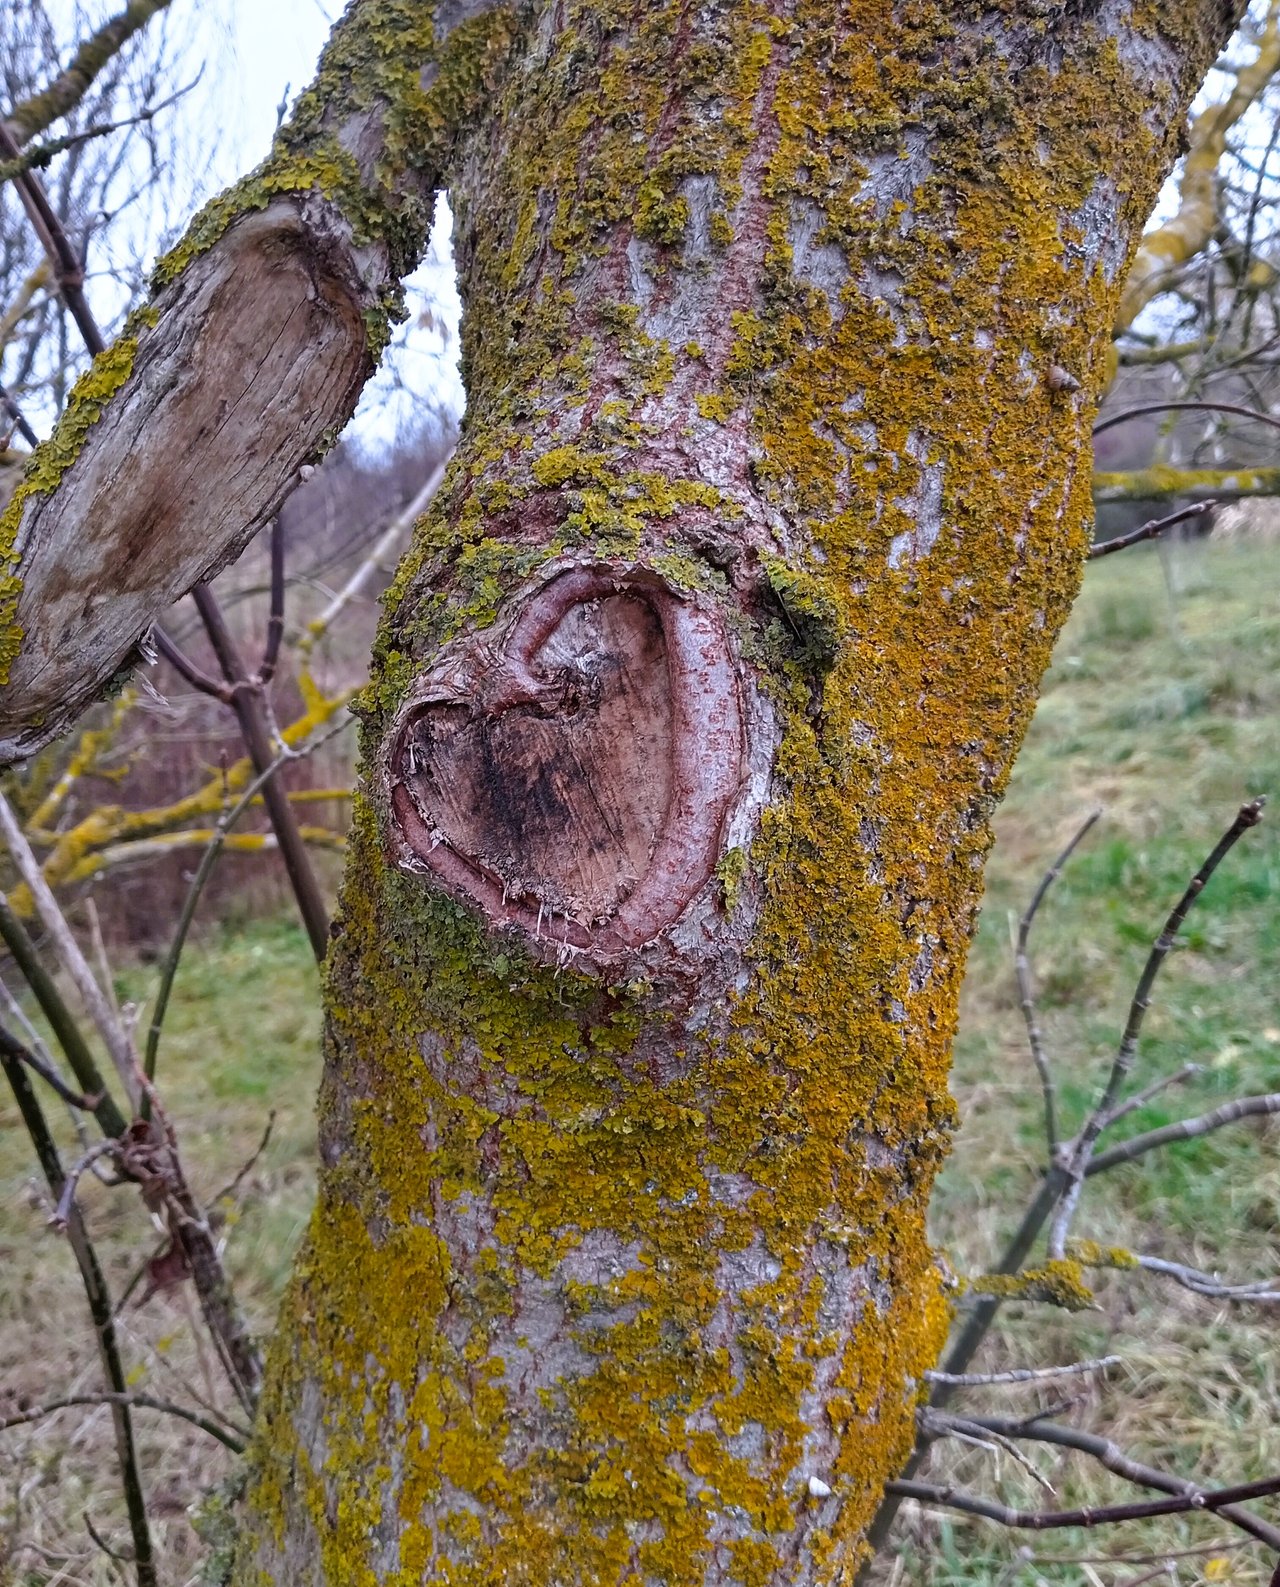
point(1161, 708)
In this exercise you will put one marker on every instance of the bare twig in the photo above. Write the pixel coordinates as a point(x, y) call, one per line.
point(983, 1380)
point(1083, 1147)
point(30, 118)
point(187, 669)
point(114, 1036)
point(227, 1193)
point(251, 712)
point(275, 620)
point(1150, 530)
point(1148, 1093)
point(40, 1064)
point(1197, 406)
point(1026, 987)
point(1109, 1455)
point(233, 1435)
point(1256, 1107)
point(192, 900)
point(386, 546)
point(102, 1313)
point(66, 1201)
point(1261, 1291)
point(1045, 1520)
point(38, 156)
point(943, 1424)
point(83, 1064)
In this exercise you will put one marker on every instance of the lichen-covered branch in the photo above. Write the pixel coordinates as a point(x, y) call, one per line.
point(1191, 228)
point(33, 115)
point(1163, 480)
point(264, 323)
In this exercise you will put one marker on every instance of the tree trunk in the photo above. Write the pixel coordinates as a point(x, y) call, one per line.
point(690, 706)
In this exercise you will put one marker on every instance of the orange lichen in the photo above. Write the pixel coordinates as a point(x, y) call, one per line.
point(606, 1269)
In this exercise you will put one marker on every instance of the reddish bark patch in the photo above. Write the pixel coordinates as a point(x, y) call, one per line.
point(570, 770)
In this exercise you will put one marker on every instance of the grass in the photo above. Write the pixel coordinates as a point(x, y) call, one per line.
point(1165, 713)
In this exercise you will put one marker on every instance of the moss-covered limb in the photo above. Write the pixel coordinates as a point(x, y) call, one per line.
point(619, 1270)
point(265, 321)
point(1191, 228)
point(1164, 480)
point(34, 114)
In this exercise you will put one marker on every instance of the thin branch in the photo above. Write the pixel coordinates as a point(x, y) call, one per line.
point(67, 268)
point(66, 1201)
point(1256, 1107)
point(256, 728)
point(982, 1380)
point(102, 1313)
point(386, 546)
point(37, 156)
point(1261, 1292)
point(1082, 1151)
point(194, 891)
point(943, 1424)
point(83, 1064)
point(15, 415)
point(1045, 1520)
point(115, 1037)
point(1112, 1458)
point(186, 669)
point(30, 118)
point(1151, 529)
point(1149, 1093)
point(227, 1193)
point(233, 1435)
point(1026, 987)
point(1196, 406)
point(33, 1060)
point(275, 620)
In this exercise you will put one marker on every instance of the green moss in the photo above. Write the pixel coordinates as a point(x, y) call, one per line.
point(45, 468)
point(491, 1118)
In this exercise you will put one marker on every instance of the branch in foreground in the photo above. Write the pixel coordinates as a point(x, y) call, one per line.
point(1261, 1106)
point(1151, 529)
point(1103, 1113)
point(983, 1380)
point(1026, 987)
point(102, 1312)
point(30, 118)
point(1046, 1520)
point(1114, 1459)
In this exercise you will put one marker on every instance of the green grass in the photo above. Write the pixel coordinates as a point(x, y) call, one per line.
point(241, 1041)
point(1169, 718)
point(1165, 715)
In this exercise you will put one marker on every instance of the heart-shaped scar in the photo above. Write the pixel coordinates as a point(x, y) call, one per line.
point(570, 770)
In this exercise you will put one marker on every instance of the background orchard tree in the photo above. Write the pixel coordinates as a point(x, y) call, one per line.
point(690, 706)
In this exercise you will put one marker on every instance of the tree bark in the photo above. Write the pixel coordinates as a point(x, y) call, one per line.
point(264, 323)
point(690, 707)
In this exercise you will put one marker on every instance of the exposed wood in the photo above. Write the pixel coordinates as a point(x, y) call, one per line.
point(258, 351)
point(573, 777)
